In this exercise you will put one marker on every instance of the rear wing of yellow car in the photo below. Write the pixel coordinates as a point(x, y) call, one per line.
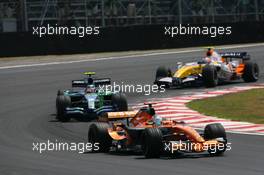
point(235, 55)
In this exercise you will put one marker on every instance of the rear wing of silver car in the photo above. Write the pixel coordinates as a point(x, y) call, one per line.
point(237, 55)
point(96, 82)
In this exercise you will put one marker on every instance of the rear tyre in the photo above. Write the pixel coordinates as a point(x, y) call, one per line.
point(120, 102)
point(210, 77)
point(251, 72)
point(98, 136)
point(213, 131)
point(62, 102)
point(152, 142)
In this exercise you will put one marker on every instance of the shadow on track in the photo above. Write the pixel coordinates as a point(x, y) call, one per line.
point(140, 156)
point(73, 120)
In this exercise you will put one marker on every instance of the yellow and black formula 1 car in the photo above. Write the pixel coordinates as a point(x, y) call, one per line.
point(209, 74)
point(140, 132)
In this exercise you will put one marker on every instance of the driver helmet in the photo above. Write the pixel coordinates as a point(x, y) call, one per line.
point(209, 52)
point(90, 89)
point(151, 111)
point(90, 81)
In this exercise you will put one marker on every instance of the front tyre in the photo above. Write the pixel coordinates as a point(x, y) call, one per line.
point(62, 102)
point(162, 72)
point(214, 131)
point(98, 134)
point(60, 92)
point(152, 142)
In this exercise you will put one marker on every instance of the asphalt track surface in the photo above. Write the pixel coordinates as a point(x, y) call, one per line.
point(27, 98)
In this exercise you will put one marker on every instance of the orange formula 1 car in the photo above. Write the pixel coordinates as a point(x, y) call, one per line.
point(143, 131)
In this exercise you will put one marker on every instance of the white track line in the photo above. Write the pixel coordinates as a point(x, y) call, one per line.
point(128, 56)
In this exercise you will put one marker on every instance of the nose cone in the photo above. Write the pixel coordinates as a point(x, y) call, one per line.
point(187, 70)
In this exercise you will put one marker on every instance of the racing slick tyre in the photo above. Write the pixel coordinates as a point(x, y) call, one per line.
point(251, 72)
point(214, 131)
point(210, 77)
point(62, 102)
point(162, 72)
point(60, 92)
point(98, 134)
point(119, 100)
point(152, 142)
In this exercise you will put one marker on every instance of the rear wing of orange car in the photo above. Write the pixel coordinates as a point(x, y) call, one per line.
point(111, 116)
point(137, 118)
